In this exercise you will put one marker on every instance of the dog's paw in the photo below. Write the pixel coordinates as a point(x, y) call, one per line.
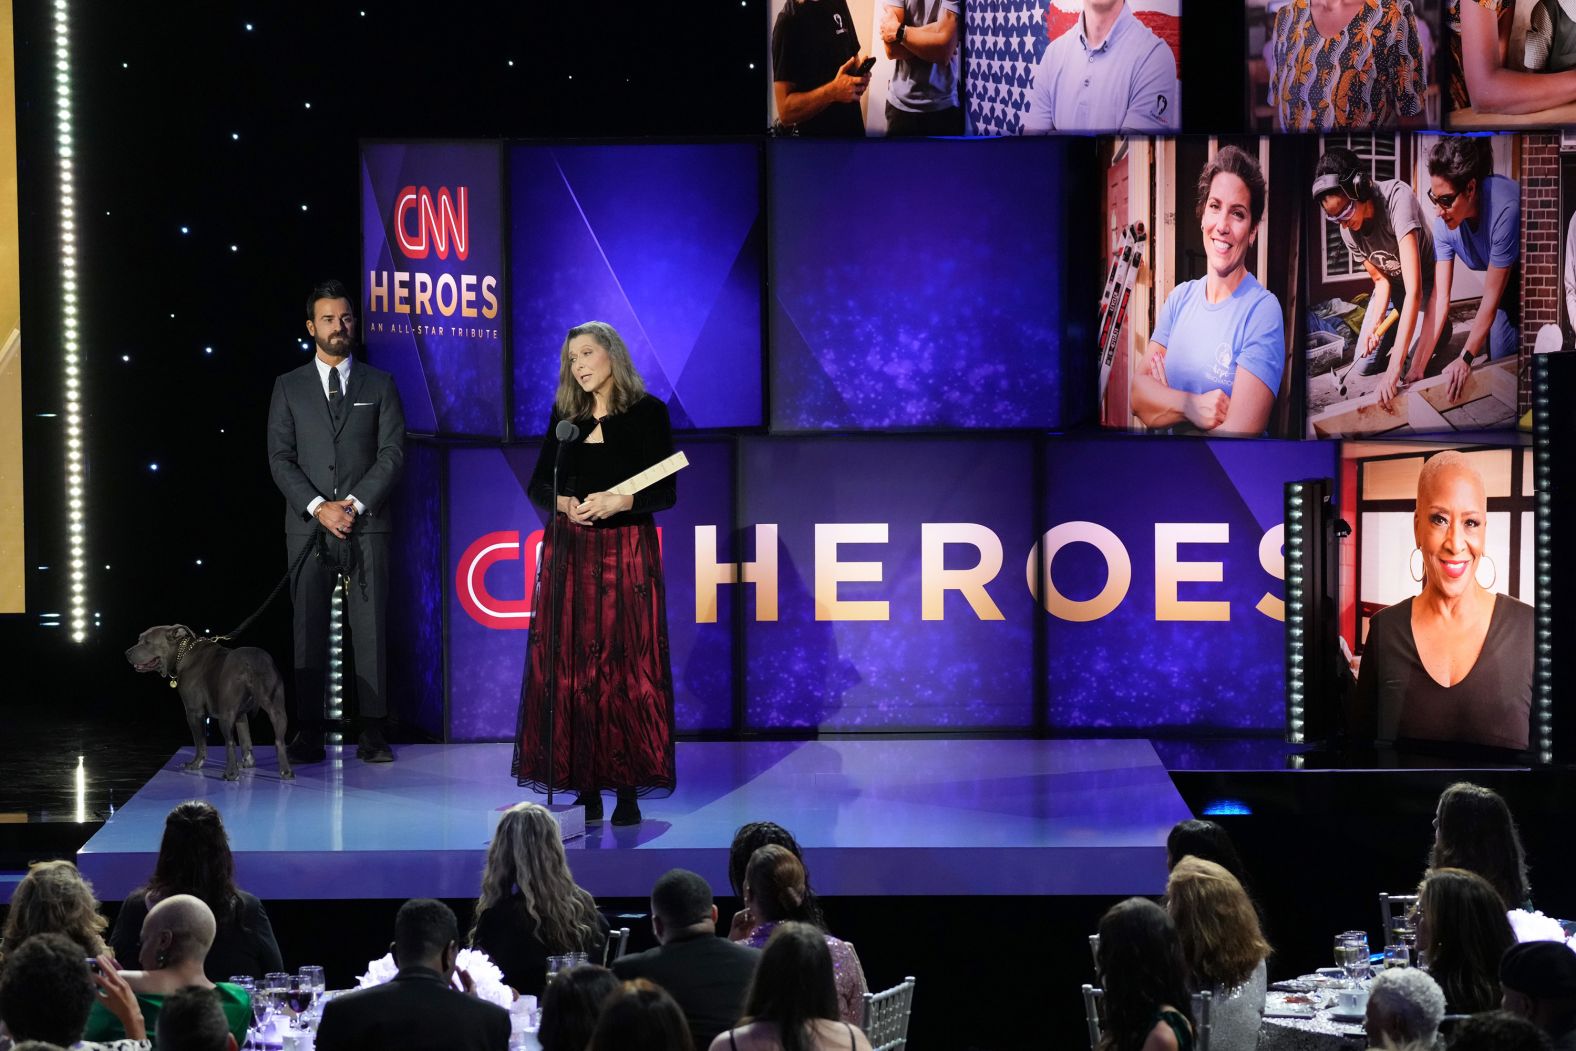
point(287, 775)
point(247, 761)
point(232, 773)
point(193, 764)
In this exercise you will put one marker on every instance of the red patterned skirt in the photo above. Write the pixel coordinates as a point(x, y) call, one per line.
point(613, 699)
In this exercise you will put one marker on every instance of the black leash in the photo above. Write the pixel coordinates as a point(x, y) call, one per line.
point(340, 559)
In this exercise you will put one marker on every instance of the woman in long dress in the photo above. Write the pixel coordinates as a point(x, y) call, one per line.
point(601, 590)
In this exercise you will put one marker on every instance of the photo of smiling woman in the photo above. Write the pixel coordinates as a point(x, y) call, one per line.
point(602, 588)
point(1215, 358)
point(1454, 663)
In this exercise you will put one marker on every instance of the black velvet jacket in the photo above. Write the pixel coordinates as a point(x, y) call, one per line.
point(632, 441)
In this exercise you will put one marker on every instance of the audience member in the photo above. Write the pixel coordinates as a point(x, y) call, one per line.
point(1462, 933)
point(194, 858)
point(1498, 1031)
point(792, 1004)
point(1405, 1007)
point(707, 975)
point(1539, 984)
point(53, 898)
point(47, 990)
point(1147, 1004)
point(530, 907)
point(175, 939)
point(640, 1015)
point(192, 1020)
point(746, 841)
point(774, 892)
point(571, 1004)
point(418, 1009)
point(1223, 947)
point(1208, 841)
point(1473, 830)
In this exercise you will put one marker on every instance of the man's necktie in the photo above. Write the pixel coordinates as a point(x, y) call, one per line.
point(336, 397)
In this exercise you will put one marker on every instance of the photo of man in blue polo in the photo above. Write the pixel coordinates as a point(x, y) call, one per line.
point(1108, 73)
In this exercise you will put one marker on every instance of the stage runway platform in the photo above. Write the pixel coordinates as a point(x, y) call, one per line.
point(875, 817)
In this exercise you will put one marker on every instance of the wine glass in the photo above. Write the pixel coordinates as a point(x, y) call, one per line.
point(1397, 956)
point(298, 997)
point(314, 974)
point(1351, 954)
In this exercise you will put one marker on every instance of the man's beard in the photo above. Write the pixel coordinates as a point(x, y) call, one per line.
point(335, 348)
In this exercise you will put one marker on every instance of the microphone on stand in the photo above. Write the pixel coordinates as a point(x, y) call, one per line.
point(566, 432)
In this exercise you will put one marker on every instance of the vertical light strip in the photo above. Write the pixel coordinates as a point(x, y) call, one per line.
point(75, 511)
point(1542, 736)
point(1295, 547)
point(336, 661)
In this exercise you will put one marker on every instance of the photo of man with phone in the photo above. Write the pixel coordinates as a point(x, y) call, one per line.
point(819, 73)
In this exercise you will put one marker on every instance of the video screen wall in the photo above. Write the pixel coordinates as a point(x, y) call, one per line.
point(917, 284)
point(885, 362)
point(663, 242)
point(897, 583)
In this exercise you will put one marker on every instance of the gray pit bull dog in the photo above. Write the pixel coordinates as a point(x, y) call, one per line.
point(227, 684)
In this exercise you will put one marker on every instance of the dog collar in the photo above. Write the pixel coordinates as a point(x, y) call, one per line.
point(182, 648)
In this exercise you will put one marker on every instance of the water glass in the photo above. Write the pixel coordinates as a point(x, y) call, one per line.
point(555, 964)
point(1397, 956)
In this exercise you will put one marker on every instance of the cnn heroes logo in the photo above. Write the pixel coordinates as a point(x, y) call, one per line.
point(431, 227)
point(832, 569)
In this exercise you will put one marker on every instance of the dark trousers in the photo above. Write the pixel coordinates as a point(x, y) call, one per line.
point(311, 588)
point(941, 122)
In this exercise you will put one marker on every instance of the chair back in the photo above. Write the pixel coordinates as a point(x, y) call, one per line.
point(1091, 997)
point(1203, 1003)
point(886, 1016)
point(1094, 952)
point(1391, 905)
point(617, 943)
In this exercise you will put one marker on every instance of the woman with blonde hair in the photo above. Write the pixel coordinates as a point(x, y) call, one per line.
point(775, 891)
point(54, 898)
point(600, 596)
point(1223, 946)
point(530, 907)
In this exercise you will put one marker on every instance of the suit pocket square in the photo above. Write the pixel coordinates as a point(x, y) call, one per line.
point(359, 404)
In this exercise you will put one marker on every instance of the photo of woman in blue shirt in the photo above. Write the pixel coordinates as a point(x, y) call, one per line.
point(1214, 360)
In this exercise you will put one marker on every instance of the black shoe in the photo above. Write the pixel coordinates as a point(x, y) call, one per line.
point(628, 811)
point(306, 748)
point(372, 748)
point(592, 801)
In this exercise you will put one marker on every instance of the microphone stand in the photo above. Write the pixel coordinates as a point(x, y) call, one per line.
point(565, 433)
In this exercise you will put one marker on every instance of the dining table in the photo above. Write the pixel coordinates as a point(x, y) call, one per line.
point(1301, 1016)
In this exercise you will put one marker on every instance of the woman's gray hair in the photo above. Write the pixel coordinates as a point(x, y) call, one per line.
point(1413, 999)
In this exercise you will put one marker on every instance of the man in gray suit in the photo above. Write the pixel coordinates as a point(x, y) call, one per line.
point(336, 442)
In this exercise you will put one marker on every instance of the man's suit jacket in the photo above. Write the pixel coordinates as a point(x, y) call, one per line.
point(415, 1011)
point(708, 976)
point(310, 454)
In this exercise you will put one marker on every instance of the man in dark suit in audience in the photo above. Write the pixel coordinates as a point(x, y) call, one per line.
point(707, 975)
point(419, 1010)
point(1538, 980)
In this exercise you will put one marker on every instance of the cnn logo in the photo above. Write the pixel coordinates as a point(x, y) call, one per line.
point(442, 222)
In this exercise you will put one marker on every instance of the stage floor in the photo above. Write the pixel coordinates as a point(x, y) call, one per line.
point(880, 817)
